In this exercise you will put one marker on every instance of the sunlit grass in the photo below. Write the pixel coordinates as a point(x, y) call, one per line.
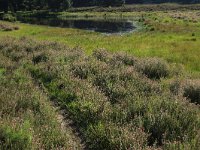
point(176, 40)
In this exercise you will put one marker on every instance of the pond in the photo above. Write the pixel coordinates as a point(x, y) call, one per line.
point(105, 25)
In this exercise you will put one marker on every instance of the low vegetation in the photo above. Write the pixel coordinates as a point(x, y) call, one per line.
point(117, 101)
point(187, 88)
point(142, 91)
point(171, 35)
point(8, 17)
point(27, 118)
point(7, 27)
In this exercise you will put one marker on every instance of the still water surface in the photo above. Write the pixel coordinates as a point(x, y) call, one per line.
point(116, 25)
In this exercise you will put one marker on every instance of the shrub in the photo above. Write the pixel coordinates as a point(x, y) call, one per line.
point(88, 67)
point(8, 27)
point(16, 28)
point(125, 58)
point(191, 90)
point(101, 55)
point(9, 17)
point(154, 68)
point(175, 87)
point(187, 88)
point(81, 70)
point(152, 29)
point(40, 58)
point(110, 136)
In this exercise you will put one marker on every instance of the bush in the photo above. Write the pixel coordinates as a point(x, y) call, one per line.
point(125, 58)
point(175, 87)
point(111, 137)
point(187, 88)
point(81, 70)
point(191, 90)
point(8, 27)
point(112, 2)
point(9, 17)
point(154, 68)
point(40, 58)
point(101, 55)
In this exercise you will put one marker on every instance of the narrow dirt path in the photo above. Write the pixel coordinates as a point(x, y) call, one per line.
point(67, 125)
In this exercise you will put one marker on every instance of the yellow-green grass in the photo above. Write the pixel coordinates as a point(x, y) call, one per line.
point(174, 36)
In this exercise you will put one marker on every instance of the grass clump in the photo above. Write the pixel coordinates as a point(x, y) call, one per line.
point(14, 139)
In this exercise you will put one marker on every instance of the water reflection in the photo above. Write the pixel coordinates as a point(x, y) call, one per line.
point(99, 25)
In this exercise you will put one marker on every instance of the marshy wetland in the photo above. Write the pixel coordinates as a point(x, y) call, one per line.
point(80, 80)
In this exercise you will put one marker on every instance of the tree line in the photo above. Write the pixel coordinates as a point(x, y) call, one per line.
point(60, 5)
point(54, 5)
point(161, 1)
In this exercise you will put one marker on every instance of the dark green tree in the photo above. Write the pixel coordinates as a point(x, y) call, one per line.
point(113, 2)
point(4, 5)
point(62, 5)
point(59, 5)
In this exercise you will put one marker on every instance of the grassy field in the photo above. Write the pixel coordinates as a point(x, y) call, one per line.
point(173, 36)
point(138, 90)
